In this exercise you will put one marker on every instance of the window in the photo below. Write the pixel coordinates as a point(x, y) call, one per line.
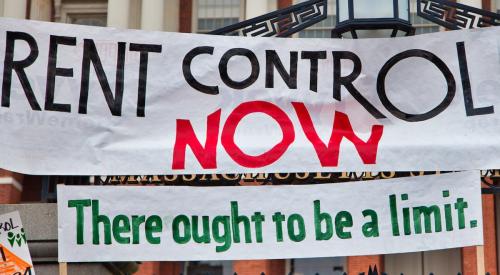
point(421, 25)
point(91, 13)
point(323, 28)
point(97, 19)
point(214, 14)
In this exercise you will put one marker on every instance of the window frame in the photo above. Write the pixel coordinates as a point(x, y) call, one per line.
point(194, 15)
point(69, 10)
point(314, 27)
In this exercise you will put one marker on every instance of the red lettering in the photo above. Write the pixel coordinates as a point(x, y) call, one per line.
point(329, 155)
point(272, 155)
point(185, 136)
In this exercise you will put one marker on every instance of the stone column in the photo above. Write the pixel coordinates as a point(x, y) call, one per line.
point(15, 8)
point(172, 15)
point(118, 13)
point(152, 15)
point(255, 8)
point(41, 10)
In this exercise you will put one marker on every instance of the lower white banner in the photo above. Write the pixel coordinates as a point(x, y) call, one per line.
point(111, 223)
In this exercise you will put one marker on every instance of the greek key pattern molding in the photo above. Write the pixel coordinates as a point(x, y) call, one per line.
point(280, 23)
point(456, 16)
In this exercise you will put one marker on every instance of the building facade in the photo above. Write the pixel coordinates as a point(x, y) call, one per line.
point(201, 16)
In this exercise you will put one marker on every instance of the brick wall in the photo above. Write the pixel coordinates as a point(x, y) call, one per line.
point(472, 256)
point(489, 232)
point(149, 268)
point(170, 268)
point(10, 187)
point(269, 267)
point(358, 264)
point(469, 260)
point(9, 194)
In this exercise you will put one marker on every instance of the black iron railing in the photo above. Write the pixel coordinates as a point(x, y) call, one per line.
point(489, 178)
point(345, 273)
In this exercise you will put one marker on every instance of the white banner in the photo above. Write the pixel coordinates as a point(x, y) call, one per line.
point(87, 100)
point(15, 258)
point(105, 223)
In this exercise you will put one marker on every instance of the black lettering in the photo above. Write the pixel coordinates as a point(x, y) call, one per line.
point(313, 73)
point(188, 75)
point(450, 80)
point(470, 110)
point(10, 65)
point(53, 71)
point(144, 49)
point(273, 61)
point(250, 79)
point(346, 81)
point(90, 55)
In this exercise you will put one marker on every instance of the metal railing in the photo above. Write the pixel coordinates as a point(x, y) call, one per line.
point(371, 271)
point(345, 273)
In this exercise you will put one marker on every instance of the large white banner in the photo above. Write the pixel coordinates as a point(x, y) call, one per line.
point(101, 223)
point(88, 100)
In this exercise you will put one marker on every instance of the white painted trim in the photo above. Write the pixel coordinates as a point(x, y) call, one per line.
point(118, 13)
point(194, 19)
point(11, 180)
point(172, 13)
point(152, 15)
point(255, 8)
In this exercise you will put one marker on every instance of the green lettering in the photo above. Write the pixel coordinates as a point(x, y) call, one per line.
point(223, 237)
point(448, 217)
point(370, 229)
point(460, 205)
point(258, 218)
point(136, 223)
point(299, 221)
point(205, 237)
point(236, 220)
point(121, 224)
point(394, 215)
point(406, 221)
point(98, 219)
point(342, 220)
point(153, 225)
point(176, 230)
point(79, 204)
point(319, 218)
point(278, 219)
point(427, 211)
